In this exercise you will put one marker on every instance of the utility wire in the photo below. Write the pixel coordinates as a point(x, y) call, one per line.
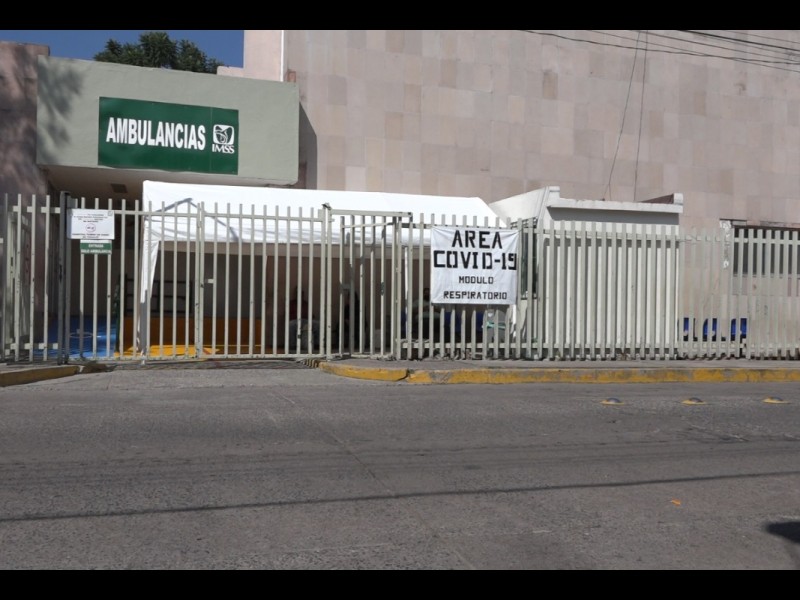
point(622, 125)
point(641, 115)
point(740, 41)
point(749, 50)
point(673, 50)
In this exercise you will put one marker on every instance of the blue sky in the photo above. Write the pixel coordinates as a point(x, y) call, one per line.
point(226, 45)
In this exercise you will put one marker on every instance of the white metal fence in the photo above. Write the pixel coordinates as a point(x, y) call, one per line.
point(204, 282)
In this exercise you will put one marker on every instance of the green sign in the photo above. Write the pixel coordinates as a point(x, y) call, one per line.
point(171, 137)
point(95, 247)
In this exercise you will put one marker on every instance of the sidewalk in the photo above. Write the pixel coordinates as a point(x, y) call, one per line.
point(19, 373)
point(475, 371)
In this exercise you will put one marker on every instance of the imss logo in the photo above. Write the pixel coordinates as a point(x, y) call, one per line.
point(224, 137)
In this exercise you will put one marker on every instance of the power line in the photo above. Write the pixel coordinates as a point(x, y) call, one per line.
point(641, 115)
point(738, 41)
point(748, 50)
point(671, 50)
point(622, 125)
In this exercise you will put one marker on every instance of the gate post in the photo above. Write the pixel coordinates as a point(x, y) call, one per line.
point(63, 275)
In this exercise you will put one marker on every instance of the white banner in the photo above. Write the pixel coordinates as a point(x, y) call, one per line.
point(470, 265)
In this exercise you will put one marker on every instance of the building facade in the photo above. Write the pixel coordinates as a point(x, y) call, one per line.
point(658, 129)
point(617, 115)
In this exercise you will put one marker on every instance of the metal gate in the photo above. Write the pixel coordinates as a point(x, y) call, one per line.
point(32, 275)
point(363, 282)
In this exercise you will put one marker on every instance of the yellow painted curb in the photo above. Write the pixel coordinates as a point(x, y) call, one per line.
point(18, 377)
point(604, 375)
point(376, 374)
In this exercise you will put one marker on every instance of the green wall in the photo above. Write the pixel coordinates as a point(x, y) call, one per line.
point(68, 112)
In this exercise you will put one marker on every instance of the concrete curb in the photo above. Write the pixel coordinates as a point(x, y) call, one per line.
point(20, 376)
point(579, 375)
point(374, 374)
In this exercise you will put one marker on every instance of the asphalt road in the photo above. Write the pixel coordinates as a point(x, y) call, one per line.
point(301, 469)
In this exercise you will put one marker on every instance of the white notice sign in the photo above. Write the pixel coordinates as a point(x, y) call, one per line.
point(88, 224)
point(470, 265)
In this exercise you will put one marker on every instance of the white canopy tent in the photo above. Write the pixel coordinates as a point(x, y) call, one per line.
point(171, 204)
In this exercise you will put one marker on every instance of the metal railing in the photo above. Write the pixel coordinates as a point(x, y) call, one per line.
point(190, 282)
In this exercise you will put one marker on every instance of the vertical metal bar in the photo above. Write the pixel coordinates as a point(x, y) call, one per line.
point(300, 291)
point(794, 301)
point(32, 282)
point(604, 274)
point(627, 289)
point(47, 283)
point(399, 270)
point(325, 290)
point(698, 251)
point(286, 247)
point(122, 281)
point(264, 270)
point(739, 274)
point(214, 280)
point(680, 302)
point(287, 286)
point(748, 274)
point(239, 294)
point(637, 249)
point(312, 328)
point(67, 312)
point(521, 318)
point(560, 284)
point(685, 292)
point(162, 268)
point(81, 294)
point(722, 295)
point(175, 278)
point(725, 326)
point(547, 320)
point(95, 291)
point(61, 274)
point(225, 336)
point(423, 326)
point(362, 299)
point(794, 296)
point(138, 210)
point(613, 288)
point(200, 281)
point(670, 317)
point(7, 254)
point(592, 286)
point(251, 333)
point(714, 303)
point(572, 284)
point(663, 315)
point(405, 280)
point(759, 315)
point(109, 291)
point(275, 269)
point(652, 291)
point(18, 266)
point(187, 286)
point(785, 291)
point(702, 284)
point(769, 286)
point(372, 325)
point(384, 290)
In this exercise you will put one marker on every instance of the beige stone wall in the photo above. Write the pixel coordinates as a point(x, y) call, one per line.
point(496, 113)
point(18, 90)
